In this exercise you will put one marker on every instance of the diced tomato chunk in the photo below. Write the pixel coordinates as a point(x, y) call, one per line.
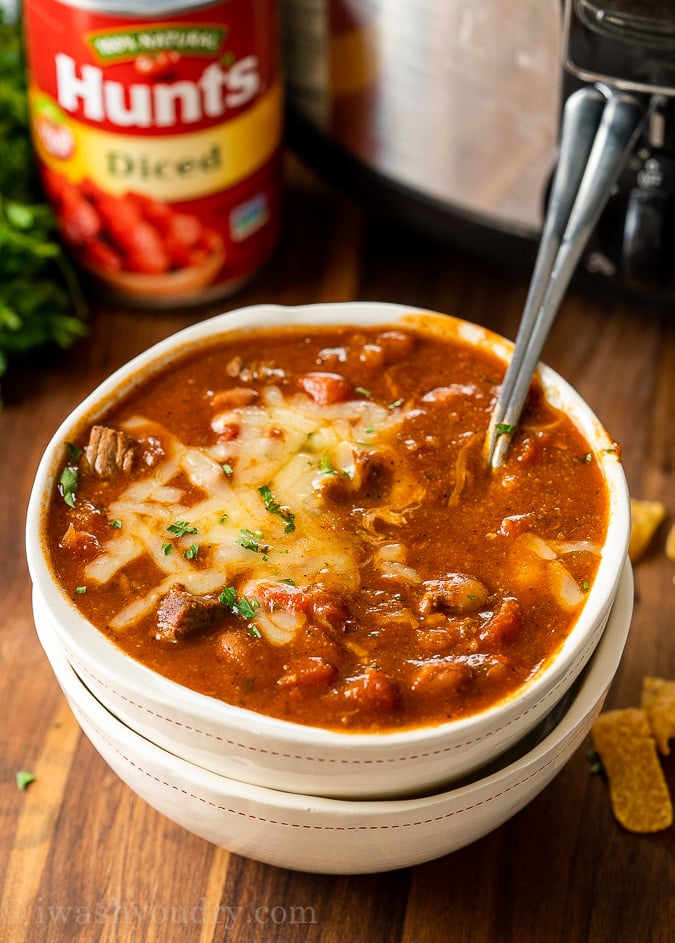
point(286, 597)
point(503, 626)
point(326, 388)
point(79, 541)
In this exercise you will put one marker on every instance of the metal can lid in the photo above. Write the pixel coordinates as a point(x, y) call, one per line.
point(145, 9)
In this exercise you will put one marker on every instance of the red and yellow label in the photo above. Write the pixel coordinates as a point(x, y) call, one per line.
point(159, 141)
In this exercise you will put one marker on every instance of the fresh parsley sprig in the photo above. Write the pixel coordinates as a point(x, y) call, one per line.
point(180, 528)
point(41, 302)
point(252, 540)
point(273, 506)
point(239, 605)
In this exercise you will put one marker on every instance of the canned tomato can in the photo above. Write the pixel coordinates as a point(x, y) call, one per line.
point(158, 129)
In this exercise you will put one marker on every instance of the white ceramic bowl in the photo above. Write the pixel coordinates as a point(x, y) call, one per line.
point(269, 752)
point(338, 836)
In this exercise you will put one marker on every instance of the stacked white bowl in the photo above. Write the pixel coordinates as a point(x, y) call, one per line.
point(319, 800)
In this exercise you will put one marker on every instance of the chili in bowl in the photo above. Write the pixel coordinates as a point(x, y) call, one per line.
point(335, 836)
point(273, 546)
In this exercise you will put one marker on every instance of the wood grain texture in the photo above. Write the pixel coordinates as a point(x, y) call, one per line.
point(81, 858)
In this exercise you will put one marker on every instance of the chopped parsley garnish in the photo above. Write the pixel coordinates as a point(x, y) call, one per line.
point(80, 590)
point(585, 459)
point(239, 606)
point(191, 552)
point(68, 485)
point(363, 391)
point(24, 778)
point(74, 451)
point(505, 428)
point(116, 524)
point(288, 580)
point(251, 540)
point(227, 468)
point(228, 597)
point(585, 586)
point(246, 608)
point(255, 632)
point(273, 506)
point(595, 762)
point(396, 403)
point(325, 466)
point(179, 528)
point(223, 517)
point(167, 549)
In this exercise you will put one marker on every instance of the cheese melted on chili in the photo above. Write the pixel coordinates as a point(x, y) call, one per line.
point(303, 524)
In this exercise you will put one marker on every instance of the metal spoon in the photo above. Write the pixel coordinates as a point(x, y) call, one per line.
point(600, 125)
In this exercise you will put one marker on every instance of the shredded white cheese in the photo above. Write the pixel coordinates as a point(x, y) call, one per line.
point(290, 445)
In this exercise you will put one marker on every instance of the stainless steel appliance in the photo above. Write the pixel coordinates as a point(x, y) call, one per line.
point(446, 113)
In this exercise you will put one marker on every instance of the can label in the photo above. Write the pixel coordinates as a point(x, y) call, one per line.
point(159, 140)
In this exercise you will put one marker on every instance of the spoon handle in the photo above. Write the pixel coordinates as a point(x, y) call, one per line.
point(600, 126)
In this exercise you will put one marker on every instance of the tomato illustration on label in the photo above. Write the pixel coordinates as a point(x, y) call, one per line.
point(160, 65)
point(132, 233)
point(52, 129)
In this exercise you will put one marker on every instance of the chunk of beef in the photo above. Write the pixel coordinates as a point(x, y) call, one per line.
point(109, 452)
point(368, 474)
point(181, 614)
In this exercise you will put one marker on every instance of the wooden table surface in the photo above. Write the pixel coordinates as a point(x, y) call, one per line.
point(82, 858)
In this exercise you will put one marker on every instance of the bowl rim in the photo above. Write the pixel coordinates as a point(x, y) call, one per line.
point(589, 698)
point(89, 643)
